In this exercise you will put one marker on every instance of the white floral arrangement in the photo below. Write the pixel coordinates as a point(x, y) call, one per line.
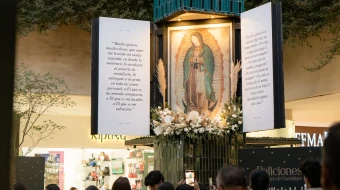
point(167, 123)
point(232, 115)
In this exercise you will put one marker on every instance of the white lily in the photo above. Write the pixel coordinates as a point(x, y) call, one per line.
point(168, 119)
point(193, 116)
point(158, 130)
point(201, 130)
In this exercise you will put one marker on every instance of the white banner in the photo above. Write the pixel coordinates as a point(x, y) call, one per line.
point(257, 69)
point(124, 77)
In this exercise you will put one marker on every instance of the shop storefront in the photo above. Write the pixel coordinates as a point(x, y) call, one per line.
point(74, 158)
point(311, 136)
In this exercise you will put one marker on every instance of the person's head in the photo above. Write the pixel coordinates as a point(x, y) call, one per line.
point(185, 187)
point(19, 186)
point(196, 39)
point(259, 180)
point(166, 186)
point(154, 179)
point(311, 169)
point(330, 173)
point(73, 188)
point(122, 183)
point(52, 187)
point(231, 177)
point(92, 187)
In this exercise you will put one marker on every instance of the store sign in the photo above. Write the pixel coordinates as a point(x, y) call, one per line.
point(102, 138)
point(262, 68)
point(281, 164)
point(120, 97)
point(311, 139)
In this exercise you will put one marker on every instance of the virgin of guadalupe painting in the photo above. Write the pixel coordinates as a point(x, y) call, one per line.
point(198, 67)
point(199, 60)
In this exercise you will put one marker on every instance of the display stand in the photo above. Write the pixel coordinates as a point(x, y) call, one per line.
point(99, 178)
point(89, 169)
point(205, 157)
point(138, 168)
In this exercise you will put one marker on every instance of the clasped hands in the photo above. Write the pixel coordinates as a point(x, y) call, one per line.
point(196, 60)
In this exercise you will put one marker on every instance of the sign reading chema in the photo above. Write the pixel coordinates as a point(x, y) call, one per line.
point(311, 139)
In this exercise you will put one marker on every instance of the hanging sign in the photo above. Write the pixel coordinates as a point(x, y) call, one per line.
point(262, 73)
point(120, 77)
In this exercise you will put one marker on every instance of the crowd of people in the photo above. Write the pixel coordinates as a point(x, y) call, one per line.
point(317, 175)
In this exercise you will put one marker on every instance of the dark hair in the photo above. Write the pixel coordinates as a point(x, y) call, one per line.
point(259, 180)
point(331, 154)
point(311, 169)
point(185, 187)
point(91, 187)
point(231, 176)
point(166, 186)
point(19, 186)
point(73, 188)
point(122, 183)
point(153, 178)
point(52, 187)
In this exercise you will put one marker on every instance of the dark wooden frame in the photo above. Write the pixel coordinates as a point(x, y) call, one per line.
point(278, 86)
point(95, 75)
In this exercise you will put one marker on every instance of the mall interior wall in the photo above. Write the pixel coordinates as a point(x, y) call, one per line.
point(66, 52)
point(299, 83)
point(75, 135)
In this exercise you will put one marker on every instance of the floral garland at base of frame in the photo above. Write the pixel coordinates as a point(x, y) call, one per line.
point(170, 126)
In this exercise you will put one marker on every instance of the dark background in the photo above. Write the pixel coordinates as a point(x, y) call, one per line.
point(291, 158)
point(30, 171)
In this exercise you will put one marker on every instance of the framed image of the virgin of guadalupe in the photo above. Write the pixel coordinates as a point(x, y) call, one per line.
point(199, 58)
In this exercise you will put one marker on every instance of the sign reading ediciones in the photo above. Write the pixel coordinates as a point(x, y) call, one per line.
point(281, 164)
point(278, 171)
point(281, 173)
point(311, 139)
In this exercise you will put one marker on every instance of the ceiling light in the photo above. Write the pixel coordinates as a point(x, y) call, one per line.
point(179, 19)
point(212, 17)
